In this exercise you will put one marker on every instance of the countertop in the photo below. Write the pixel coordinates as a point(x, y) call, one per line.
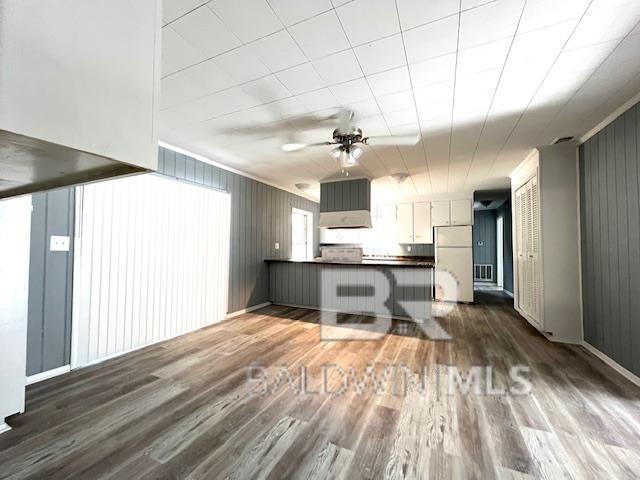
point(425, 262)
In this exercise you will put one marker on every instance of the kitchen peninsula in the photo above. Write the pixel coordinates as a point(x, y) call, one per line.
point(397, 287)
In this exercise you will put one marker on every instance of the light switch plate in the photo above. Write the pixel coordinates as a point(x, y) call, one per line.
point(59, 243)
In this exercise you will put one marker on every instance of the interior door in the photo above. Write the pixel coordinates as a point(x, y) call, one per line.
point(500, 251)
point(534, 250)
point(521, 247)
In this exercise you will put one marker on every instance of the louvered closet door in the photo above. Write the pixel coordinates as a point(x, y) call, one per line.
point(151, 262)
point(521, 238)
point(529, 270)
point(534, 250)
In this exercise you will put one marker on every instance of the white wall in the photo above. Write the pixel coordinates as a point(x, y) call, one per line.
point(151, 262)
point(15, 228)
point(560, 240)
point(84, 74)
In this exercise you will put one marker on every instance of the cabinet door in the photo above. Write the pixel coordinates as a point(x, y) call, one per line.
point(422, 231)
point(404, 223)
point(386, 214)
point(440, 215)
point(461, 212)
point(329, 235)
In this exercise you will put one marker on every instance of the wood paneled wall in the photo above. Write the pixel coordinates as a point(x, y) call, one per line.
point(484, 230)
point(300, 284)
point(610, 236)
point(345, 195)
point(260, 217)
point(50, 282)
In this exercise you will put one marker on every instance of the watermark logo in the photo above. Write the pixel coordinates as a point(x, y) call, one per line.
point(394, 380)
point(376, 296)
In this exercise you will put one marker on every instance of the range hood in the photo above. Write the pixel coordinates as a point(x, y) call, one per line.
point(345, 204)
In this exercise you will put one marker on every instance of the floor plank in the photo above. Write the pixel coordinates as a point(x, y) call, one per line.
point(205, 405)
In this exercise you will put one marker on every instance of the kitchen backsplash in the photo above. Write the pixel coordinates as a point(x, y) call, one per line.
point(402, 250)
point(399, 250)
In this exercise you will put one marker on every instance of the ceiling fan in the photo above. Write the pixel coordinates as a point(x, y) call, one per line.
point(347, 137)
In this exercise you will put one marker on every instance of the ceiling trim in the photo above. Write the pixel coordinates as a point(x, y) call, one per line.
point(610, 118)
point(233, 170)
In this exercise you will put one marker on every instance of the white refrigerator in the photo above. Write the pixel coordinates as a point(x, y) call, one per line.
point(454, 264)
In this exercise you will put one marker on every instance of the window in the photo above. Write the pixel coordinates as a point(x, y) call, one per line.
point(301, 234)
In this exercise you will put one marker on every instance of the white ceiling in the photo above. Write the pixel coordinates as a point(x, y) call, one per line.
point(483, 81)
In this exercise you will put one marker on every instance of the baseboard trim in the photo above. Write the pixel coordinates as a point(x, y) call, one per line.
point(39, 377)
point(247, 310)
point(4, 427)
point(307, 307)
point(612, 363)
point(509, 294)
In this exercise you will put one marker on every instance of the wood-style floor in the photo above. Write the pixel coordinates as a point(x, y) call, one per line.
point(183, 408)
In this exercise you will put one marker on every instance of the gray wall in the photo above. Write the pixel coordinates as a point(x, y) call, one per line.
point(298, 283)
point(260, 217)
point(345, 195)
point(484, 230)
point(50, 282)
point(504, 211)
point(610, 235)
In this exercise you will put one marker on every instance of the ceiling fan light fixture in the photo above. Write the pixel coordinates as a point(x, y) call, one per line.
point(336, 152)
point(347, 160)
point(357, 152)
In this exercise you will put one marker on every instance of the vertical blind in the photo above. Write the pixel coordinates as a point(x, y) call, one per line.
point(151, 263)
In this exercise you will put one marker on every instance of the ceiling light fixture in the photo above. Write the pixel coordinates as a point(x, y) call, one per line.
point(347, 160)
point(336, 152)
point(303, 187)
point(399, 177)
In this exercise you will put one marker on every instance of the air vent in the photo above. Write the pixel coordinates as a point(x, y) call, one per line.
point(562, 140)
point(483, 272)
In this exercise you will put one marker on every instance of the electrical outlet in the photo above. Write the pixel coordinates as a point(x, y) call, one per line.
point(408, 248)
point(59, 243)
point(277, 246)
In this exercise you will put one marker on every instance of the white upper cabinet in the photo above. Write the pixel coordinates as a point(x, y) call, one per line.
point(440, 213)
point(404, 223)
point(461, 212)
point(422, 229)
point(445, 213)
point(386, 213)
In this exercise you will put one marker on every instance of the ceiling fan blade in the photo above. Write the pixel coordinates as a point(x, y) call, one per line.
point(294, 147)
point(391, 140)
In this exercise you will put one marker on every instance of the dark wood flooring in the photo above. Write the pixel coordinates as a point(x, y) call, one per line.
point(185, 408)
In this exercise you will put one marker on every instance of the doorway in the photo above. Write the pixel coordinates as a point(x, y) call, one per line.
point(500, 251)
